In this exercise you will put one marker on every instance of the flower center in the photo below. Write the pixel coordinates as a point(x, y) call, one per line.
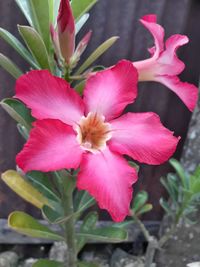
point(93, 132)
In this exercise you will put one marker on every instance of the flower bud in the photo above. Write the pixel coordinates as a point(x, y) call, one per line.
point(66, 30)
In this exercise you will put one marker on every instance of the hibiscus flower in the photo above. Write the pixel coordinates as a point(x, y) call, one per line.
point(164, 65)
point(89, 133)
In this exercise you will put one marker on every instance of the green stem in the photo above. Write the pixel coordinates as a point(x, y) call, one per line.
point(152, 242)
point(167, 236)
point(144, 230)
point(70, 232)
point(69, 225)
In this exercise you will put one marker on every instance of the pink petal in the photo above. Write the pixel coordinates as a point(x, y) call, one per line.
point(52, 146)
point(142, 137)
point(187, 92)
point(108, 178)
point(108, 92)
point(169, 63)
point(149, 21)
point(49, 97)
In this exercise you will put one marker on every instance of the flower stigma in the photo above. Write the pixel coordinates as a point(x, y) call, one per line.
point(93, 132)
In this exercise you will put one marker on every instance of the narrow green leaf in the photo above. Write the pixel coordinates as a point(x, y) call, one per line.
point(139, 200)
point(197, 172)
point(49, 263)
point(56, 8)
point(24, 189)
point(83, 201)
point(105, 234)
point(122, 224)
point(180, 171)
point(89, 223)
point(40, 17)
point(23, 131)
point(9, 66)
point(80, 87)
point(165, 184)
point(81, 22)
point(17, 111)
point(26, 224)
point(36, 45)
point(17, 45)
point(79, 8)
point(146, 208)
point(164, 204)
point(51, 10)
point(53, 216)
point(25, 8)
point(96, 54)
point(41, 181)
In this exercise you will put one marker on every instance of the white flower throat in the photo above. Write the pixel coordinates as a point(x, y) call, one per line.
point(93, 132)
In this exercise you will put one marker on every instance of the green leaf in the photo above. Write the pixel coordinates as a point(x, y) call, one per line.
point(49, 263)
point(40, 17)
point(27, 225)
point(53, 216)
point(18, 111)
point(89, 223)
point(79, 8)
point(165, 184)
point(164, 204)
point(146, 208)
point(24, 189)
point(83, 201)
point(197, 172)
point(42, 182)
point(96, 54)
point(80, 23)
point(25, 8)
point(9, 66)
point(105, 234)
point(17, 45)
point(139, 200)
point(23, 131)
point(36, 45)
point(122, 224)
point(80, 87)
point(180, 171)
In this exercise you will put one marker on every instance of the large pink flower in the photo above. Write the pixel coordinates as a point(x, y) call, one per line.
point(87, 132)
point(164, 65)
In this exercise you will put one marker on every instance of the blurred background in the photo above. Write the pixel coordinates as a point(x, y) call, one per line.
point(109, 18)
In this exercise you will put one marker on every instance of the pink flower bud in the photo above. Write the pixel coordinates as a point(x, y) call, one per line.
point(66, 30)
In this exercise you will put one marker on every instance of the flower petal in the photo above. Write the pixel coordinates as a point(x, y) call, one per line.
point(149, 21)
point(169, 63)
point(108, 92)
point(52, 146)
point(49, 97)
point(142, 137)
point(187, 92)
point(108, 178)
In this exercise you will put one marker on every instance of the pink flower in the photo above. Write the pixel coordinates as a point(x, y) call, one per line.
point(164, 65)
point(88, 132)
point(64, 37)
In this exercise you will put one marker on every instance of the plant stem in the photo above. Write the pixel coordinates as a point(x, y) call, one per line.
point(150, 253)
point(69, 225)
point(144, 230)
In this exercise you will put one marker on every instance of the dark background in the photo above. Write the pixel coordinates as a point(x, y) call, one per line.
point(108, 18)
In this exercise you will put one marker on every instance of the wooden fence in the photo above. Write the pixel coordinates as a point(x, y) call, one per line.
point(108, 18)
